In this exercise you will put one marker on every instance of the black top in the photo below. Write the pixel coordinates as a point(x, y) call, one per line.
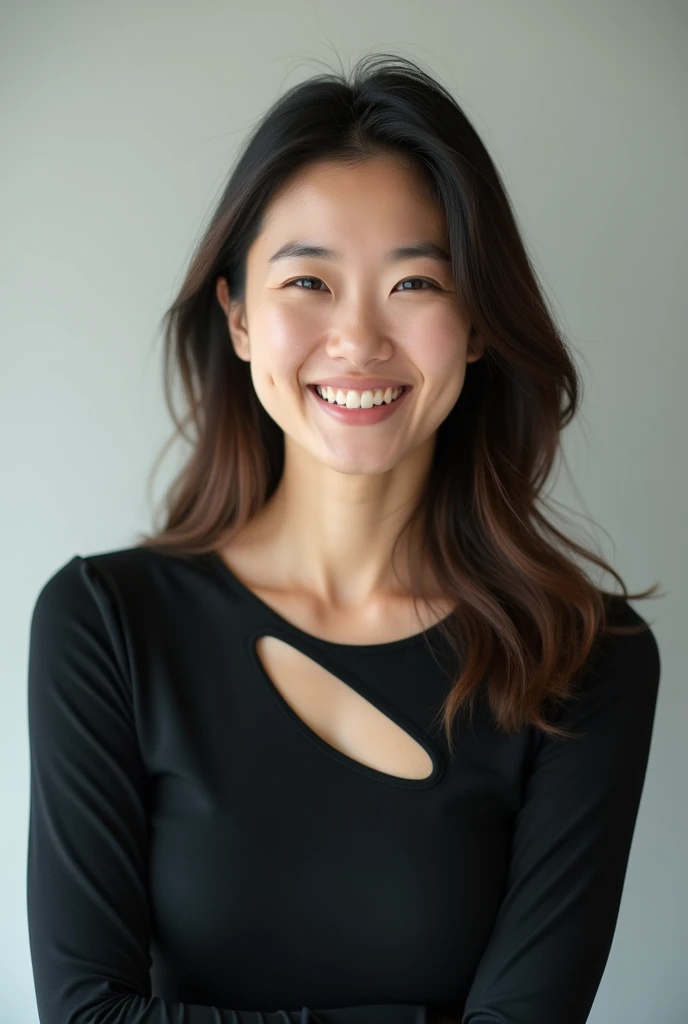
point(198, 855)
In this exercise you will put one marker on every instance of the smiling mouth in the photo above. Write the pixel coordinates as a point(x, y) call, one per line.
point(396, 393)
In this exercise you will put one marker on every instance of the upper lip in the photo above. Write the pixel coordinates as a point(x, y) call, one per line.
point(359, 383)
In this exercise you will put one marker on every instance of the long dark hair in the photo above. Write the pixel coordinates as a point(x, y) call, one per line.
point(527, 615)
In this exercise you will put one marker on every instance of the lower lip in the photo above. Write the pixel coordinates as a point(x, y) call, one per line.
point(360, 417)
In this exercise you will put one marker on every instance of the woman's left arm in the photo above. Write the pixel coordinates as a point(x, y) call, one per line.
point(548, 950)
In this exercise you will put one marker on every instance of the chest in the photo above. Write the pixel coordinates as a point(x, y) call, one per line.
point(338, 714)
point(326, 704)
point(298, 837)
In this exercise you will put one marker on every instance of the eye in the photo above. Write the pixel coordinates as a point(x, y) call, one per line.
point(423, 280)
point(310, 286)
point(406, 282)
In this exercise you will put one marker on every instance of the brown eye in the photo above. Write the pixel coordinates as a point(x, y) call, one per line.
point(407, 284)
point(309, 287)
point(423, 280)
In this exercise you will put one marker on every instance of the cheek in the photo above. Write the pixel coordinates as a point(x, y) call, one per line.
point(437, 343)
point(281, 338)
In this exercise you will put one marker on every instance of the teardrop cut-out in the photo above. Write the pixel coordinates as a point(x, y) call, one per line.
point(339, 715)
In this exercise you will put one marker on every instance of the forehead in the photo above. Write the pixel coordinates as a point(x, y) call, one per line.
point(379, 196)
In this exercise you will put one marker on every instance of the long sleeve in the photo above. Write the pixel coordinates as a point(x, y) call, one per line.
point(572, 840)
point(87, 898)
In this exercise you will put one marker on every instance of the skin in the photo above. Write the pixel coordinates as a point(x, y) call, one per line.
point(345, 491)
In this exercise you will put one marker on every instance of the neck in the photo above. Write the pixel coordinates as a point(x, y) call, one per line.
point(332, 534)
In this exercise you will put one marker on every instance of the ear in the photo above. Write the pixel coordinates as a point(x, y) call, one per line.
point(476, 347)
point(235, 313)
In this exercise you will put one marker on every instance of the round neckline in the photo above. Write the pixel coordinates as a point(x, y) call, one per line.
point(223, 570)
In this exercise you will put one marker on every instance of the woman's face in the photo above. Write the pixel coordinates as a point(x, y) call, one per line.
point(356, 312)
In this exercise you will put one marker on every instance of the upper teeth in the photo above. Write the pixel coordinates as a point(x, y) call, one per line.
point(359, 399)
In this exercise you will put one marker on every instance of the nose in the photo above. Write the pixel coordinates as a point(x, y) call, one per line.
point(360, 340)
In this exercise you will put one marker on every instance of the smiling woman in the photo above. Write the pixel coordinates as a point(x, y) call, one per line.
point(352, 737)
point(383, 305)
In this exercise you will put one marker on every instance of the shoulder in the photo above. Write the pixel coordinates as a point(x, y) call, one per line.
point(630, 661)
point(81, 575)
point(106, 588)
point(130, 597)
point(115, 573)
point(76, 597)
point(618, 685)
point(101, 608)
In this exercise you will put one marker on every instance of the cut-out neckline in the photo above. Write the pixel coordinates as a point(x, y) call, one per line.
point(223, 569)
point(345, 677)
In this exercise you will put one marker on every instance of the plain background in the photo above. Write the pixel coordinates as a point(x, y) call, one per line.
point(119, 126)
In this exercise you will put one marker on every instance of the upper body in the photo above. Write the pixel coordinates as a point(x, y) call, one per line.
point(198, 852)
point(243, 810)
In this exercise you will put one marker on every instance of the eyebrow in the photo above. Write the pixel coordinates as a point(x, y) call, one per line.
point(429, 250)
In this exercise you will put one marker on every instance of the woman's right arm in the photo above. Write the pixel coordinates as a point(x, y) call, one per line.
point(88, 914)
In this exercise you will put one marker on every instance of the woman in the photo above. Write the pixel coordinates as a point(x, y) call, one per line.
point(351, 738)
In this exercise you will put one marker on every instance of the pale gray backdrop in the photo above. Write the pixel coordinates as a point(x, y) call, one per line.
point(119, 124)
